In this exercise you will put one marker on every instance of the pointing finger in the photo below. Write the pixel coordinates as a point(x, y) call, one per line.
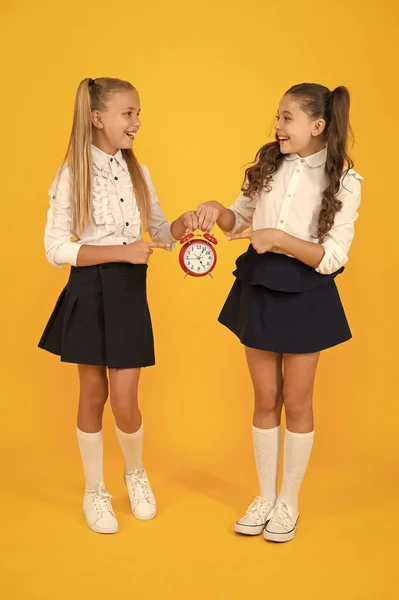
point(159, 245)
point(240, 236)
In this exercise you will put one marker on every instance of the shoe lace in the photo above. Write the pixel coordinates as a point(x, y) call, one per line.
point(138, 485)
point(259, 507)
point(282, 516)
point(102, 500)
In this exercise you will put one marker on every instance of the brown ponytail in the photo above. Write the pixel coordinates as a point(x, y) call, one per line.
point(337, 132)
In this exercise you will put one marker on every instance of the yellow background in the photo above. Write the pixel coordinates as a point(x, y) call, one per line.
point(210, 75)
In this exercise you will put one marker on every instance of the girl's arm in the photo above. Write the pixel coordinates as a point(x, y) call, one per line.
point(307, 252)
point(338, 240)
point(137, 253)
point(60, 249)
point(269, 240)
point(234, 219)
point(209, 213)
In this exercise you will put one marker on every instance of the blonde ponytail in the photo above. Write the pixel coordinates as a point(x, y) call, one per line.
point(93, 95)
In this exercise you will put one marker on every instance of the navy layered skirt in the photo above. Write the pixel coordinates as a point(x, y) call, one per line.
point(279, 304)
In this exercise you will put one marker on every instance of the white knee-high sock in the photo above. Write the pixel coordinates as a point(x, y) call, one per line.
point(266, 449)
point(297, 450)
point(132, 448)
point(91, 451)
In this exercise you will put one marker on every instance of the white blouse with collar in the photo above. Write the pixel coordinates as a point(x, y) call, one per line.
point(293, 205)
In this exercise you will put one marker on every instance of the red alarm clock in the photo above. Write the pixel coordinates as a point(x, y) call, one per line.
point(198, 256)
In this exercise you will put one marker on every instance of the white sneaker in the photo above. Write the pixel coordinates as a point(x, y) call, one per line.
point(142, 500)
point(256, 517)
point(98, 511)
point(282, 525)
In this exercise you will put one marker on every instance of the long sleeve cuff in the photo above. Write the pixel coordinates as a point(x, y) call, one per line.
point(66, 254)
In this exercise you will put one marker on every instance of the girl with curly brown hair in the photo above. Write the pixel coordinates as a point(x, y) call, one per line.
point(300, 198)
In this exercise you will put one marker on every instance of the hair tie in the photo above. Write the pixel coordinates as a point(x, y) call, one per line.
point(91, 82)
point(330, 98)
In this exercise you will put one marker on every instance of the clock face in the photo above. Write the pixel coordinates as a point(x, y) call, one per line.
point(199, 258)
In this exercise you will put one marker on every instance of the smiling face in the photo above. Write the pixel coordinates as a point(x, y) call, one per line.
point(296, 131)
point(116, 125)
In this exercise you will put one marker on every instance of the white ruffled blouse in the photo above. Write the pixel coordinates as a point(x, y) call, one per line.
point(116, 217)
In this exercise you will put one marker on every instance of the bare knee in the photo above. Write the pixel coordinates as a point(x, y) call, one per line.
point(125, 408)
point(297, 404)
point(93, 388)
point(268, 399)
point(124, 398)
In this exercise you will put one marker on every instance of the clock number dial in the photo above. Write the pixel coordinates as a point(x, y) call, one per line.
point(199, 258)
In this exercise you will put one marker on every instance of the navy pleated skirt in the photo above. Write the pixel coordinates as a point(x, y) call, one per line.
point(102, 318)
point(281, 305)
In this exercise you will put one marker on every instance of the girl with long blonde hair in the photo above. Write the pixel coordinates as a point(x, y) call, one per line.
point(101, 202)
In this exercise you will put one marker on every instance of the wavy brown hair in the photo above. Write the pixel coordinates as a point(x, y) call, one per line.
point(79, 158)
point(319, 103)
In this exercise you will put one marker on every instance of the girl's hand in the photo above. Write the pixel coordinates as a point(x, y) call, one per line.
point(186, 223)
point(138, 252)
point(190, 221)
point(207, 214)
point(263, 240)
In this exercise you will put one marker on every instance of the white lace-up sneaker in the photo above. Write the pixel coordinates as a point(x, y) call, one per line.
point(282, 525)
point(256, 517)
point(142, 499)
point(98, 511)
